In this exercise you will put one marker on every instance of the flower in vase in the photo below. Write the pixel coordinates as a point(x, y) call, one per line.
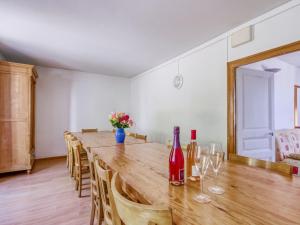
point(120, 120)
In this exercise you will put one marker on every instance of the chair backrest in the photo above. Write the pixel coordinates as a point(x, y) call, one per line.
point(170, 145)
point(90, 130)
point(280, 167)
point(132, 213)
point(130, 134)
point(103, 179)
point(136, 135)
point(69, 137)
point(92, 168)
point(76, 146)
point(140, 136)
point(66, 132)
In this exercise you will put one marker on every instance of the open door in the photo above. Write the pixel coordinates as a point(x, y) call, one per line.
point(255, 114)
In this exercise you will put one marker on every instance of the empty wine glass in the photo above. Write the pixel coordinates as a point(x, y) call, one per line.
point(202, 155)
point(216, 159)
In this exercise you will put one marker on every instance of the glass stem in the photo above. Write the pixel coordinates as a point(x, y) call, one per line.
point(216, 174)
point(201, 184)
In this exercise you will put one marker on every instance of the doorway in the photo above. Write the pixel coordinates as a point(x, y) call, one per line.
point(233, 113)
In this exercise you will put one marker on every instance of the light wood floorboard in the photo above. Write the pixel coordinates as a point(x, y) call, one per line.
point(47, 196)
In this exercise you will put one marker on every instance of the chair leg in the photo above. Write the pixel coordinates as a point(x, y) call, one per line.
point(100, 217)
point(76, 178)
point(76, 184)
point(71, 166)
point(72, 171)
point(67, 162)
point(92, 212)
point(79, 186)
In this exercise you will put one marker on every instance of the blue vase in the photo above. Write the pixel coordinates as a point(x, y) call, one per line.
point(120, 135)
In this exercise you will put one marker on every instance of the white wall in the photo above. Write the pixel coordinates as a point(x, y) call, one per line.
point(284, 82)
point(201, 103)
point(297, 71)
point(71, 100)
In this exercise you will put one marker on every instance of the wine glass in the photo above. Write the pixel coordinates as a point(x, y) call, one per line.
point(202, 155)
point(216, 159)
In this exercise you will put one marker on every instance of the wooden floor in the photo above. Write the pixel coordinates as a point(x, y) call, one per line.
point(46, 196)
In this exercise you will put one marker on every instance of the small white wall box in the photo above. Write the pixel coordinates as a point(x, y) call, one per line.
point(242, 36)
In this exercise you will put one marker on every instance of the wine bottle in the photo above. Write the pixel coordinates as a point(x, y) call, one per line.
point(176, 161)
point(191, 170)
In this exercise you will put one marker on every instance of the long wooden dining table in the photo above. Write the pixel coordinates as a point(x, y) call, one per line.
point(252, 195)
point(103, 139)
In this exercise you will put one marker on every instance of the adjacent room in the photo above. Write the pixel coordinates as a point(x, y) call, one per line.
point(267, 96)
point(149, 112)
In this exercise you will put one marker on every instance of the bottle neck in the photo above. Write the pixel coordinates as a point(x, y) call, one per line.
point(176, 141)
point(193, 140)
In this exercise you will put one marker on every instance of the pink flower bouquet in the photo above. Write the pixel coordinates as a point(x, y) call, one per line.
point(120, 120)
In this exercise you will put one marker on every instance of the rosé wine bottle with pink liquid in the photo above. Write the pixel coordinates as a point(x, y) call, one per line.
point(176, 161)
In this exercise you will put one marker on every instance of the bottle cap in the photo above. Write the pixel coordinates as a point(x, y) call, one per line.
point(193, 134)
point(176, 130)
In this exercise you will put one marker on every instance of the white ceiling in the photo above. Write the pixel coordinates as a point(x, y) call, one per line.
point(115, 37)
point(291, 58)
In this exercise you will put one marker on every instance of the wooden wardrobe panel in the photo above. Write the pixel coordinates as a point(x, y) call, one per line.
point(13, 144)
point(17, 98)
point(14, 97)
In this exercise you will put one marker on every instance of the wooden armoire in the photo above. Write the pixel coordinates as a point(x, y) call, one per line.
point(17, 105)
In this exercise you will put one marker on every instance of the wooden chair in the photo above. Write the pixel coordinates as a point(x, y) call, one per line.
point(136, 135)
point(97, 209)
point(103, 178)
point(89, 130)
point(81, 166)
point(140, 136)
point(70, 155)
point(66, 133)
point(279, 167)
point(170, 145)
point(132, 213)
point(130, 134)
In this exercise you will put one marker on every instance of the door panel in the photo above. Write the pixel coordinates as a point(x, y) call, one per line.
point(14, 97)
point(255, 114)
point(256, 96)
point(13, 145)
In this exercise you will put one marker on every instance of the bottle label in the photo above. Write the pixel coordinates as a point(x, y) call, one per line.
point(181, 175)
point(195, 172)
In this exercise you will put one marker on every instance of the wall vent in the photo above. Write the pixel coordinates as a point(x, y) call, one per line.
point(242, 36)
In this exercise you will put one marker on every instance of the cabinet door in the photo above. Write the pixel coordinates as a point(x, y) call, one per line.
point(14, 97)
point(13, 146)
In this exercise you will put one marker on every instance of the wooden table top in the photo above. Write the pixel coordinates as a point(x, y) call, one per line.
point(103, 139)
point(253, 195)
